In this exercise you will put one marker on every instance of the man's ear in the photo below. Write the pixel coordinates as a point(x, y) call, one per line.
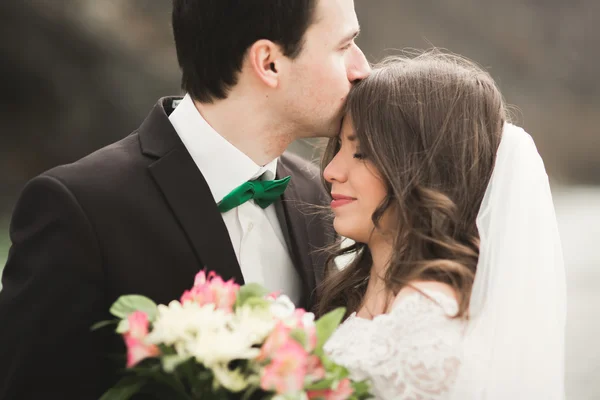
point(265, 59)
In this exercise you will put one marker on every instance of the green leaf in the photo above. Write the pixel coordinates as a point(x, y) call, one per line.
point(257, 303)
point(332, 369)
point(361, 389)
point(250, 392)
point(205, 375)
point(170, 363)
point(339, 371)
point(124, 389)
point(123, 326)
point(167, 350)
point(328, 364)
point(102, 324)
point(249, 291)
point(300, 336)
point(126, 305)
point(327, 324)
point(321, 384)
point(149, 368)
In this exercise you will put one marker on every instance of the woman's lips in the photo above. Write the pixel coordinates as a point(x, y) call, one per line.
point(340, 200)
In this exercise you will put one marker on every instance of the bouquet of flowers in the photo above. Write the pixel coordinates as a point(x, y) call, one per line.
point(222, 340)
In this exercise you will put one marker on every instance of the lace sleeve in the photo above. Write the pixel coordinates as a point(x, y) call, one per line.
point(411, 353)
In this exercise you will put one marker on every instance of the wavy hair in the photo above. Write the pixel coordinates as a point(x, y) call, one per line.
point(431, 126)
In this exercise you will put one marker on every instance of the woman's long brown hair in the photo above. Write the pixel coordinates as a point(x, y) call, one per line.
point(431, 126)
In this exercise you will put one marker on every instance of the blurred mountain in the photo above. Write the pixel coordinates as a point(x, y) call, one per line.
point(79, 74)
point(544, 54)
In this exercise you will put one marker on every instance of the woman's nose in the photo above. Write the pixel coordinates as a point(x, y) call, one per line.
point(334, 171)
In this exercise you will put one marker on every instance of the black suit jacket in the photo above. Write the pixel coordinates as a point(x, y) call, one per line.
point(134, 217)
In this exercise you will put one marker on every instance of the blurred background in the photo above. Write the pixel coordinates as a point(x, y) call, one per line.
point(76, 75)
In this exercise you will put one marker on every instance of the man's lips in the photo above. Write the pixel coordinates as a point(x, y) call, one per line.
point(340, 200)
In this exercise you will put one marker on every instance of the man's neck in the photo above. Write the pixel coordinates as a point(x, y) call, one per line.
point(248, 126)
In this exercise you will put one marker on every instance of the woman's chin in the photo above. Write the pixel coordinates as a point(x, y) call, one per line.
point(346, 229)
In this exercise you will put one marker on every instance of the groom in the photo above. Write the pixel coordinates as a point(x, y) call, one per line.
point(145, 214)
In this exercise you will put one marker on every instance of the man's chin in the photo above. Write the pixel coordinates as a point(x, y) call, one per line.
point(334, 128)
point(326, 133)
point(329, 130)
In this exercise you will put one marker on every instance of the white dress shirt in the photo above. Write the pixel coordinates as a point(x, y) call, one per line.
point(255, 233)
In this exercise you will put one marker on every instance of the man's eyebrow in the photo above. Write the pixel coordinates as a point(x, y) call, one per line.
point(350, 36)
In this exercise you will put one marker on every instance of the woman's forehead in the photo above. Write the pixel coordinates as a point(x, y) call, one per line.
point(347, 131)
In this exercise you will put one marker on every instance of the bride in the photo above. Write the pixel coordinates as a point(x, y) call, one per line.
point(457, 289)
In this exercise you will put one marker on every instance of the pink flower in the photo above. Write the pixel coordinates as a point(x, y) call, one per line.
point(198, 294)
point(138, 324)
point(273, 295)
point(225, 293)
point(315, 368)
point(286, 372)
point(341, 392)
point(137, 349)
point(201, 279)
point(312, 338)
point(212, 290)
point(306, 324)
point(278, 337)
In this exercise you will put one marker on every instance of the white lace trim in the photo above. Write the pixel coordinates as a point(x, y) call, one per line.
point(412, 353)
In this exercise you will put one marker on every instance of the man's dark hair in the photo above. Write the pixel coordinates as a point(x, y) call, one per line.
point(212, 37)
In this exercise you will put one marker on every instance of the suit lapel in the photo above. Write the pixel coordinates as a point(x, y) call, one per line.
point(188, 195)
point(293, 224)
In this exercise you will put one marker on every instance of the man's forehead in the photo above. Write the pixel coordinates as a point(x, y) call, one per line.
point(336, 15)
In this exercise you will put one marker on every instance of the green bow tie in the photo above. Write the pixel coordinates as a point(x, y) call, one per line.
point(264, 193)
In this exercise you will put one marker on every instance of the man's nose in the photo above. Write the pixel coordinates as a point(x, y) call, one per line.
point(359, 67)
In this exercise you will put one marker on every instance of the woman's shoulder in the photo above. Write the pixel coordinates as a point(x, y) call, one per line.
point(428, 294)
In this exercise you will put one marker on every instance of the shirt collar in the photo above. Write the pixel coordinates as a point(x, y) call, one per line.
point(223, 165)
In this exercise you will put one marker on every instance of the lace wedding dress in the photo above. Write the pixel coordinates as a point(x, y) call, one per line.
point(411, 353)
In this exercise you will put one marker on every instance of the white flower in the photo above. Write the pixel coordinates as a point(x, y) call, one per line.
point(308, 320)
point(230, 380)
point(291, 396)
point(179, 325)
point(211, 348)
point(282, 307)
point(255, 322)
point(176, 322)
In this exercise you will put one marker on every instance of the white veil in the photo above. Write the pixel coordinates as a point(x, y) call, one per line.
point(514, 344)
